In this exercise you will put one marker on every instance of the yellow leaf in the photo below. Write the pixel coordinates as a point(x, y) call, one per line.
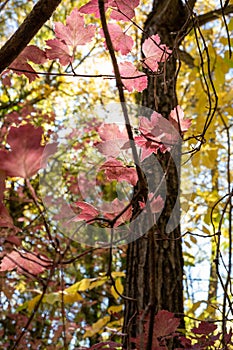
point(71, 298)
point(187, 244)
point(84, 284)
point(119, 288)
point(193, 239)
point(114, 309)
point(98, 283)
point(97, 327)
point(195, 306)
point(118, 274)
point(80, 286)
point(32, 303)
point(51, 298)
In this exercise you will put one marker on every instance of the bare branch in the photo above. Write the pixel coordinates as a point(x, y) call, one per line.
point(40, 13)
point(186, 58)
point(191, 4)
point(215, 14)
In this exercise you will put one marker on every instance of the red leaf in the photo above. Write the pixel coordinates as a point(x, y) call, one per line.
point(165, 323)
point(69, 36)
point(127, 70)
point(177, 119)
point(121, 41)
point(115, 170)
point(6, 220)
point(119, 8)
point(88, 212)
point(156, 134)
point(26, 155)
point(24, 262)
point(156, 204)
point(204, 328)
point(113, 140)
point(146, 146)
point(154, 52)
point(59, 50)
point(93, 7)
point(111, 210)
point(106, 345)
point(124, 7)
point(30, 53)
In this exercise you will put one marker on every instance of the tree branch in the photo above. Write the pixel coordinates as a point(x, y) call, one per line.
point(191, 4)
point(186, 58)
point(212, 15)
point(40, 13)
point(201, 20)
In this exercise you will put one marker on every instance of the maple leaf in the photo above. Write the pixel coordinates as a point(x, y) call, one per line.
point(30, 53)
point(115, 170)
point(68, 37)
point(93, 7)
point(121, 41)
point(122, 10)
point(24, 262)
point(7, 228)
point(177, 119)
point(125, 9)
point(127, 70)
point(204, 328)
point(106, 345)
point(27, 155)
point(88, 212)
point(154, 52)
point(156, 203)
point(147, 147)
point(6, 220)
point(156, 134)
point(111, 210)
point(165, 323)
point(113, 139)
point(59, 50)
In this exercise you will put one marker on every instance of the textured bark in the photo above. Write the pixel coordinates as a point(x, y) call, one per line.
point(155, 262)
point(40, 13)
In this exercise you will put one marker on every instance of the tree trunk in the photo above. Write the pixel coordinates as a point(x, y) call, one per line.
point(154, 262)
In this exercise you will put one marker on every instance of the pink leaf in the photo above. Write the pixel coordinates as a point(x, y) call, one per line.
point(111, 210)
point(156, 203)
point(154, 52)
point(93, 7)
point(69, 36)
point(6, 220)
point(121, 41)
point(24, 262)
point(124, 7)
point(127, 70)
point(111, 131)
point(113, 140)
point(88, 212)
point(115, 170)
point(156, 134)
point(30, 53)
point(177, 119)
point(165, 323)
point(119, 8)
point(75, 32)
point(204, 328)
point(146, 146)
point(59, 50)
point(26, 155)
